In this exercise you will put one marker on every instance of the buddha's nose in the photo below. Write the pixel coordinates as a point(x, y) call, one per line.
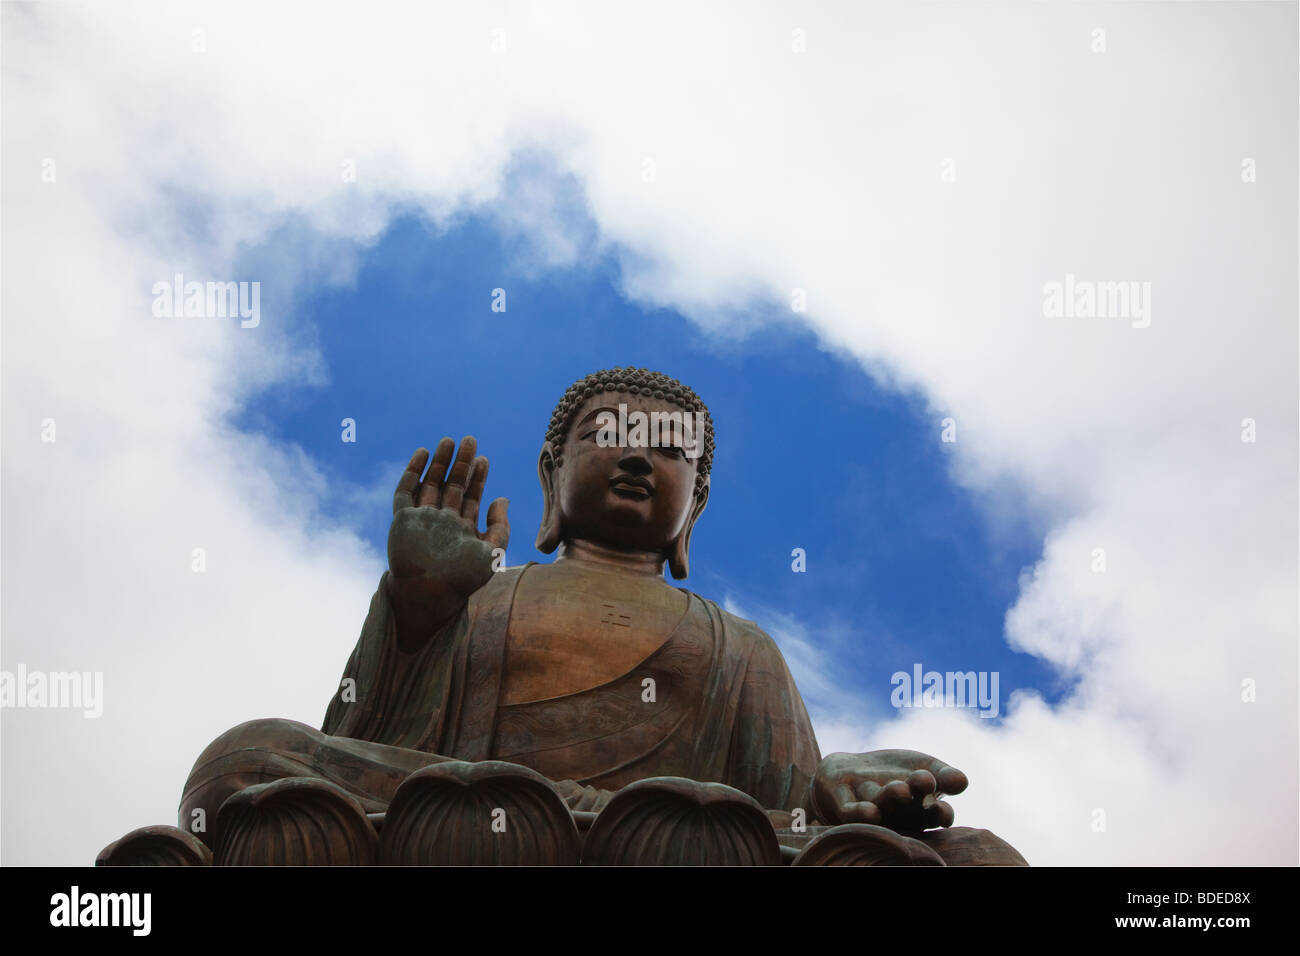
point(635, 462)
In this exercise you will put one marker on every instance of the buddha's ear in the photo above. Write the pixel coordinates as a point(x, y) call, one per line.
point(679, 553)
point(550, 534)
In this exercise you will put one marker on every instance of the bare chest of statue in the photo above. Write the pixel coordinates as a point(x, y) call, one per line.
point(574, 626)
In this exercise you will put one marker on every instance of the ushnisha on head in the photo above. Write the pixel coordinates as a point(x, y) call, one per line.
point(625, 465)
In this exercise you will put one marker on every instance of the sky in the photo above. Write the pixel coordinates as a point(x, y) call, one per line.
point(838, 225)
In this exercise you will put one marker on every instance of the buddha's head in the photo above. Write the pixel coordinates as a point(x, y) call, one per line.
point(626, 465)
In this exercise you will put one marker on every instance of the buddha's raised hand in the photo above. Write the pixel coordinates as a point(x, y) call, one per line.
point(436, 554)
point(898, 789)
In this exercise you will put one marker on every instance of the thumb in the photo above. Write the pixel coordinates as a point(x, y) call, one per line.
point(498, 525)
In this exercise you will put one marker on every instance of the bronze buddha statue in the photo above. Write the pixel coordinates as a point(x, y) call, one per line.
point(571, 688)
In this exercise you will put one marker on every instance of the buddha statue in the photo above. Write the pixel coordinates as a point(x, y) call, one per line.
point(583, 709)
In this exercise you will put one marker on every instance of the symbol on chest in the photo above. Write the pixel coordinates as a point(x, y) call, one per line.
point(610, 615)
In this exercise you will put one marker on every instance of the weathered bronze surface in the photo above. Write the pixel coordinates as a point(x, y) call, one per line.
point(299, 820)
point(592, 675)
point(671, 821)
point(155, 846)
point(487, 813)
point(861, 844)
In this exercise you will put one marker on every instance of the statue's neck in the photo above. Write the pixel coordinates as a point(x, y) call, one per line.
point(647, 563)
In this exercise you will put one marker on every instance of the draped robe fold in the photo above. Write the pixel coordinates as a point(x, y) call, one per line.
point(722, 706)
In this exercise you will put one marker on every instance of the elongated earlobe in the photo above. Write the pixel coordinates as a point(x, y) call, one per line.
point(679, 563)
point(551, 533)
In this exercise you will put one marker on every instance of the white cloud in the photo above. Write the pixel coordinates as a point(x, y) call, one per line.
point(773, 171)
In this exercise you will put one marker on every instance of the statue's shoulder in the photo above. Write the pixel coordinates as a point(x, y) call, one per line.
point(740, 629)
point(499, 589)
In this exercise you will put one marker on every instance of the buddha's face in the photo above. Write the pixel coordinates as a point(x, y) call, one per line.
point(630, 495)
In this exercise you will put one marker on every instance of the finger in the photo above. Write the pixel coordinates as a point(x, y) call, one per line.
point(867, 790)
point(431, 489)
point(498, 527)
point(453, 489)
point(938, 814)
point(894, 797)
point(404, 496)
point(950, 779)
point(860, 812)
point(841, 796)
point(922, 782)
point(477, 479)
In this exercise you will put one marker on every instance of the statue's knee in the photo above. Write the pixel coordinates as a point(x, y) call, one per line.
point(273, 730)
point(252, 752)
point(265, 733)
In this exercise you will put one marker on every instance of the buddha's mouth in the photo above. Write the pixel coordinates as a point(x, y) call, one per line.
point(629, 486)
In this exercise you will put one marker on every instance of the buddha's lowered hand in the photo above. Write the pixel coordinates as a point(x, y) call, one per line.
point(898, 789)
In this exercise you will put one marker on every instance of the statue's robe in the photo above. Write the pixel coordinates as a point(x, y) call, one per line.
point(724, 709)
point(722, 706)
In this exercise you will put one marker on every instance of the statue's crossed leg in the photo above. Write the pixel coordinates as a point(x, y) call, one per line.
point(280, 792)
